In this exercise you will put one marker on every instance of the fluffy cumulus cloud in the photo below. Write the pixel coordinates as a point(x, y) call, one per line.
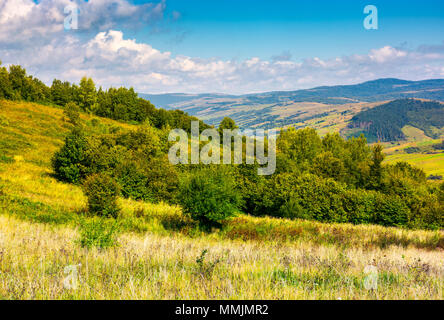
point(32, 34)
point(27, 23)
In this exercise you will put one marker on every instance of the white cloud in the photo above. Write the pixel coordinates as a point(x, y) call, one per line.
point(25, 23)
point(386, 53)
point(32, 35)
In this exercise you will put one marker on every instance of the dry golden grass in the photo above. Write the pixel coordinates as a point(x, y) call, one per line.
point(33, 258)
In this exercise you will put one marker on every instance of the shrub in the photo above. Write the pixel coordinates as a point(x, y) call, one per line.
point(163, 180)
point(206, 269)
point(441, 193)
point(390, 210)
point(252, 188)
point(209, 196)
point(102, 192)
point(314, 198)
point(69, 162)
point(132, 180)
point(72, 113)
point(98, 232)
point(328, 166)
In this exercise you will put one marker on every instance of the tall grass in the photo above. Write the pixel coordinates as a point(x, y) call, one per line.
point(33, 258)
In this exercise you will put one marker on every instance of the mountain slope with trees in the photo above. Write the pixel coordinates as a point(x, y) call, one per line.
point(323, 107)
point(385, 122)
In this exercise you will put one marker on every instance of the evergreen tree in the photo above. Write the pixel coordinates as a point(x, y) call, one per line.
point(376, 169)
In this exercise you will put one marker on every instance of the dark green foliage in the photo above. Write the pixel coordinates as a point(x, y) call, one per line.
point(115, 103)
point(404, 169)
point(251, 187)
point(26, 87)
point(134, 158)
point(385, 122)
point(120, 104)
point(102, 192)
point(69, 162)
point(162, 180)
point(441, 193)
point(145, 140)
point(375, 179)
point(61, 92)
point(298, 148)
point(328, 166)
point(133, 180)
point(155, 180)
point(311, 197)
point(6, 91)
point(228, 124)
point(209, 196)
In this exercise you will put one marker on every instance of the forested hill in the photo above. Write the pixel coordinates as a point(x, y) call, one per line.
point(121, 104)
point(320, 107)
point(385, 122)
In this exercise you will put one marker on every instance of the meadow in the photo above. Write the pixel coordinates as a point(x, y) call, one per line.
point(161, 254)
point(432, 164)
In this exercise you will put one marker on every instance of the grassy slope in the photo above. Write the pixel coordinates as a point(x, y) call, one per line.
point(260, 257)
point(431, 162)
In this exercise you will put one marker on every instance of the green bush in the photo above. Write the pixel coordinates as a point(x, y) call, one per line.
point(132, 180)
point(209, 196)
point(72, 113)
point(69, 163)
point(163, 180)
point(390, 210)
point(98, 232)
point(252, 188)
point(441, 193)
point(310, 197)
point(102, 192)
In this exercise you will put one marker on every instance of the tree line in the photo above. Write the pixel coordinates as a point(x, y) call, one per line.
point(328, 178)
point(115, 103)
point(385, 122)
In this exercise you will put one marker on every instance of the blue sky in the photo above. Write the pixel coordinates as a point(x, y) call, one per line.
point(245, 28)
point(227, 46)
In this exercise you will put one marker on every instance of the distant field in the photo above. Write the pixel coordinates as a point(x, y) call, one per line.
point(430, 163)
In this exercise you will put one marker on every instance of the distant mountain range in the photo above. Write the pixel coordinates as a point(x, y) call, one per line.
point(324, 108)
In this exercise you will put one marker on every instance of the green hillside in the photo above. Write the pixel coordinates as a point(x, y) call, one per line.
point(77, 188)
point(386, 122)
point(286, 108)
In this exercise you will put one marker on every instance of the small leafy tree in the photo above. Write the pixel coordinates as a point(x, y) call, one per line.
point(87, 95)
point(69, 162)
point(72, 113)
point(209, 196)
point(102, 192)
point(376, 167)
point(227, 123)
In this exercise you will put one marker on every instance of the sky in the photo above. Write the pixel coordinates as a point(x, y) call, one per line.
point(223, 46)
